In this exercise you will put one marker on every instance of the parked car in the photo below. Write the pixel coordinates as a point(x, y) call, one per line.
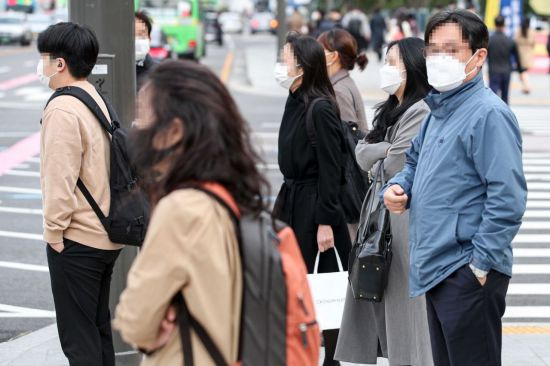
point(39, 22)
point(212, 28)
point(263, 22)
point(15, 29)
point(231, 22)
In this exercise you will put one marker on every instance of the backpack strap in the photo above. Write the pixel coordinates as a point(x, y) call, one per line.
point(96, 110)
point(310, 126)
point(186, 322)
point(89, 102)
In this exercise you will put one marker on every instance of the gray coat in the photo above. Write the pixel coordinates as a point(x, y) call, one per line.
point(398, 323)
point(349, 99)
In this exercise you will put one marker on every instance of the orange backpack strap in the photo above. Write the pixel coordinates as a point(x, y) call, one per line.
point(223, 195)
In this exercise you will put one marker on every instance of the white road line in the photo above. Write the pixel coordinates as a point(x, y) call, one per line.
point(15, 134)
point(529, 289)
point(527, 312)
point(274, 125)
point(535, 225)
point(543, 162)
point(20, 190)
point(531, 252)
point(538, 186)
point(531, 269)
point(12, 234)
point(533, 214)
point(23, 166)
point(538, 204)
point(531, 238)
point(531, 177)
point(4, 69)
point(9, 311)
point(34, 160)
point(538, 195)
point(536, 155)
point(24, 211)
point(21, 173)
point(23, 266)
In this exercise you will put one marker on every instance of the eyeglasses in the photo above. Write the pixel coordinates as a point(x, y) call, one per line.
point(448, 49)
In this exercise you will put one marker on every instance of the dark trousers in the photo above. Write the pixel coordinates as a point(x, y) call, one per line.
point(500, 84)
point(80, 278)
point(465, 319)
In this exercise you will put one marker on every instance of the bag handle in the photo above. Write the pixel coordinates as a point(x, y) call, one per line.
point(338, 260)
point(370, 199)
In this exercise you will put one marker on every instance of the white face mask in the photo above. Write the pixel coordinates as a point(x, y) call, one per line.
point(281, 75)
point(44, 80)
point(446, 72)
point(143, 46)
point(390, 79)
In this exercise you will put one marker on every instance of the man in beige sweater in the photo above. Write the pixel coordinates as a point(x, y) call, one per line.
point(73, 145)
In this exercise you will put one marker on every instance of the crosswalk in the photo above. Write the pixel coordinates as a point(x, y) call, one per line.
point(529, 292)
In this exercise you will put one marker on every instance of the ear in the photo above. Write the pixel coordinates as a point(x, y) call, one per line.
point(60, 64)
point(481, 57)
point(170, 136)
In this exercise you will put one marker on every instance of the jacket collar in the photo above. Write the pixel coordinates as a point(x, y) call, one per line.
point(339, 76)
point(442, 104)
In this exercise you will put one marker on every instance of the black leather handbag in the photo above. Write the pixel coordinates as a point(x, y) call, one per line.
point(371, 254)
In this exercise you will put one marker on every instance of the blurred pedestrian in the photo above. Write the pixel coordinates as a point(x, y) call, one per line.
point(464, 184)
point(296, 21)
point(192, 132)
point(75, 147)
point(502, 50)
point(332, 20)
point(144, 61)
point(525, 40)
point(309, 199)
point(357, 24)
point(342, 56)
point(399, 323)
point(317, 17)
point(378, 28)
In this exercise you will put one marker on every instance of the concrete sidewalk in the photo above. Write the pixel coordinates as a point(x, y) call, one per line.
point(523, 345)
point(255, 76)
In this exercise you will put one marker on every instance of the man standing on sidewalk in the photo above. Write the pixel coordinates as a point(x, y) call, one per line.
point(464, 184)
point(502, 50)
point(73, 145)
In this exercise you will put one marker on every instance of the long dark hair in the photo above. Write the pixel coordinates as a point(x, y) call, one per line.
point(215, 146)
point(341, 41)
point(388, 113)
point(310, 55)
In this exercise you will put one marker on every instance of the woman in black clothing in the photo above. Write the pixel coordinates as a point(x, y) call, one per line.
point(309, 200)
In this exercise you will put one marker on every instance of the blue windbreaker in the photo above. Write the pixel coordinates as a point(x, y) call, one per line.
point(466, 187)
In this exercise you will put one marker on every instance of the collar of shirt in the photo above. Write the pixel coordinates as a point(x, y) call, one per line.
point(442, 104)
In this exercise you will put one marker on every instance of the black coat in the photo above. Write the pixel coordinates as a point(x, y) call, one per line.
point(142, 71)
point(310, 195)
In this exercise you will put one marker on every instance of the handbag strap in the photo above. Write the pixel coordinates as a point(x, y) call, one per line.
point(338, 261)
point(371, 195)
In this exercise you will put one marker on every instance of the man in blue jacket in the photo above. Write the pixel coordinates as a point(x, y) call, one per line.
point(465, 187)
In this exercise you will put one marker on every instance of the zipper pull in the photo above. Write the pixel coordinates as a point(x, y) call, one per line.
point(303, 330)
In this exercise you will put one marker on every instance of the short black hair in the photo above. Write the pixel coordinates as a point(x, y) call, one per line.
point(145, 18)
point(500, 21)
point(76, 44)
point(473, 28)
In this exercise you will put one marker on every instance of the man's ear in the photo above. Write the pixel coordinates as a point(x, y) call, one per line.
point(61, 65)
point(481, 57)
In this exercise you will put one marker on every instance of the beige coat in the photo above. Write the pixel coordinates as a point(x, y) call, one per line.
point(190, 247)
point(526, 46)
point(73, 144)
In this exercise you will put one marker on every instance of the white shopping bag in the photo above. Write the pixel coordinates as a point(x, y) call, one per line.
point(329, 294)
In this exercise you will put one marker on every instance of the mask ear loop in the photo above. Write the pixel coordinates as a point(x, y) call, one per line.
point(469, 60)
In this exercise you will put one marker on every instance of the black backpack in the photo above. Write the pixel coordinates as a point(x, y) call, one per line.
point(129, 210)
point(355, 183)
point(355, 27)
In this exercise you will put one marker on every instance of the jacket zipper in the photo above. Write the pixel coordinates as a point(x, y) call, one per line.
point(303, 330)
